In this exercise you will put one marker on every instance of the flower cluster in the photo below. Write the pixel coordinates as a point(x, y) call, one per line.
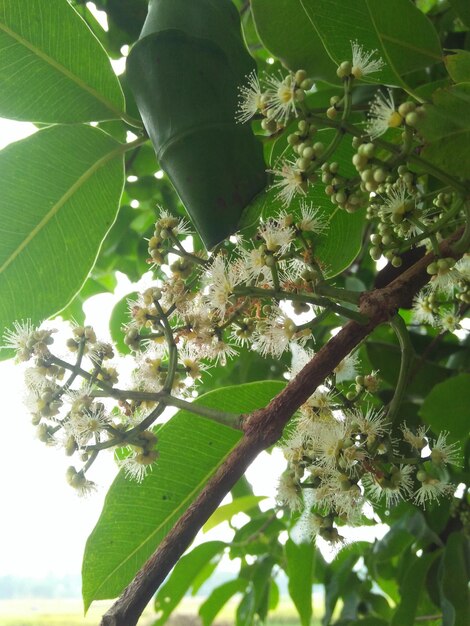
point(339, 458)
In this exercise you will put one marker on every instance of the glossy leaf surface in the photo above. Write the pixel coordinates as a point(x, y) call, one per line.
point(215, 164)
point(123, 537)
point(51, 232)
point(48, 52)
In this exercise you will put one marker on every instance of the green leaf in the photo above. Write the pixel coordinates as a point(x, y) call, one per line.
point(276, 21)
point(173, 590)
point(446, 407)
point(411, 589)
point(458, 66)
point(52, 232)
point(52, 67)
point(119, 317)
point(401, 34)
point(218, 599)
point(227, 511)
point(299, 561)
point(455, 573)
point(445, 127)
point(215, 164)
point(124, 538)
point(462, 8)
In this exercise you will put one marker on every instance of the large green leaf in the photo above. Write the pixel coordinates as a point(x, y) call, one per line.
point(172, 592)
point(455, 574)
point(52, 68)
point(446, 129)
point(276, 21)
point(447, 407)
point(215, 164)
point(227, 511)
point(60, 193)
point(191, 448)
point(299, 561)
point(411, 589)
point(402, 35)
point(219, 598)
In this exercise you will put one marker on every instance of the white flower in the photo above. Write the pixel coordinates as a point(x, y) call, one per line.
point(415, 440)
point(250, 99)
point(272, 335)
point(363, 62)
point(443, 453)
point(277, 237)
point(432, 489)
point(372, 423)
point(281, 98)
point(312, 220)
point(177, 225)
point(288, 492)
point(398, 200)
point(347, 368)
point(137, 465)
point(253, 266)
point(396, 487)
point(423, 310)
point(27, 340)
point(87, 424)
point(445, 281)
point(449, 321)
point(382, 115)
point(300, 357)
point(463, 267)
point(220, 279)
point(292, 182)
point(148, 375)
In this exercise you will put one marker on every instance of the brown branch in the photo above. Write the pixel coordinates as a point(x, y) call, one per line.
point(262, 429)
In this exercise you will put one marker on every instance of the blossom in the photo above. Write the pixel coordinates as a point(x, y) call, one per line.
point(288, 492)
point(463, 267)
point(363, 62)
point(311, 220)
point(445, 280)
point(220, 279)
point(449, 321)
point(27, 340)
point(415, 440)
point(272, 335)
point(292, 182)
point(423, 309)
point(347, 368)
point(277, 237)
point(250, 99)
point(372, 424)
point(281, 98)
point(382, 115)
point(178, 226)
point(398, 200)
point(137, 465)
point(432, 489)
point(443, 453)
point(394, 487)
point(88, 423)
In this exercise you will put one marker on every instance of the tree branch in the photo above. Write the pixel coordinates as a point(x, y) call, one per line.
point(262, 429)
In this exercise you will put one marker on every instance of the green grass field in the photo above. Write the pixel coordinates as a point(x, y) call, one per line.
point(70, 613)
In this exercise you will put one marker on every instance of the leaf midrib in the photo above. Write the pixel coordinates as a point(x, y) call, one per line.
point(60, 203)
point(62, 69)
